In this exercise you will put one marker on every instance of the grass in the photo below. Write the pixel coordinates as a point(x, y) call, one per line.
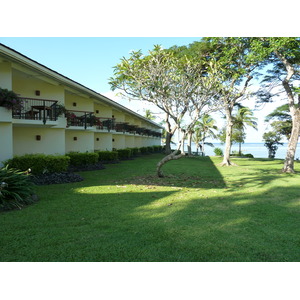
point(199, 212)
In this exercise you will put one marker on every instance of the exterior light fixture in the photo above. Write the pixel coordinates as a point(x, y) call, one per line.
point(38, 137)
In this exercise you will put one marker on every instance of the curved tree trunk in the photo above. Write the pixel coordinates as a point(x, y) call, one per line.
point(292, 145)
point(169, 157)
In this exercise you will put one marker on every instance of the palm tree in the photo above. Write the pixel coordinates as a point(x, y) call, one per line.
point(242, 119)
point(149, 114)
point(204, 128)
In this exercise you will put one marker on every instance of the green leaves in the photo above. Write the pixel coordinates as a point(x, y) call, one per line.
point(16, 189)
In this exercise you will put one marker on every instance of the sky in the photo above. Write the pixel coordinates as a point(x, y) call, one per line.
point(90, 61)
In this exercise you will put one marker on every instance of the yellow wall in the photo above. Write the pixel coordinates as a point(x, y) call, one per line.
point(24, 140)
point(27, 85)
point(129, 142)
point(6, 144)
point(120, 117)
point(119, 141)
point(5, 75)
point(84, 143)
point(82, 104)
point(104, 143)
point(104, 111)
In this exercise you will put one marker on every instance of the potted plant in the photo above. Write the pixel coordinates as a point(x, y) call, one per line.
point(60, 110)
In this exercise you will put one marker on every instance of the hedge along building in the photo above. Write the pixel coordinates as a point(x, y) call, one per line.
point(59, 115)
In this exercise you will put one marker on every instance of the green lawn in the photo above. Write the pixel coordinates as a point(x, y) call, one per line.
point(199, 212)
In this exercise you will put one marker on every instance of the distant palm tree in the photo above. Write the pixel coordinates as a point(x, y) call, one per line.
point(242, 119)
point(149, 115)
point(204, 128)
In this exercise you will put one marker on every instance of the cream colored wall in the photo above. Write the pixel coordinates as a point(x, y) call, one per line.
point(138, 141)
point(129, 119)
point(137, 122)
point(5, 75)
point(84, 143)
point(6, 144)
point(24, 140)
point(119, 141)
point(104, 111)
point(129, 142)
point(82, 103)
point(104, 143)
point(26, 86)
point(120, 117)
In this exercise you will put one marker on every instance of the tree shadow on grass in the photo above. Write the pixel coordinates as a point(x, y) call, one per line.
point(195, 173)
point(133, 221)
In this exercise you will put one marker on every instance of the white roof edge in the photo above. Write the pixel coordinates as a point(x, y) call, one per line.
point(18, 57)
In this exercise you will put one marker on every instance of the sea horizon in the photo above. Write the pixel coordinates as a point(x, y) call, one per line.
point(257, 149)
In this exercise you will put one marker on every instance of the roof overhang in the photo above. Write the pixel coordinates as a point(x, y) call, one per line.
point(16, 57)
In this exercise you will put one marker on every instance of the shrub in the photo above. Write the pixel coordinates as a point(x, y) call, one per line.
point(106, 156)
point(144, 150)
point(177, 151)
point(82, 159)
point(40, 163)
point(124, 153)
point(218, 151)
point(157, 148)
point(135, 151)
point(249, 155)
point(16, 189)
point(150, 149)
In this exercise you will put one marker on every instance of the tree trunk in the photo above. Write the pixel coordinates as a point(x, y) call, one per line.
point(168, 142)
point(169, 157)
point(240, 149)
point(169, 134)
point(292, 145)
point(189, 145)
point(226, 159)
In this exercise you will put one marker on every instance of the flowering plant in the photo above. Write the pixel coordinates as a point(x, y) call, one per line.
point(10, 99)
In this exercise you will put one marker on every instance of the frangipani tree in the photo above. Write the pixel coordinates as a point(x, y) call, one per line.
point(282, 54)
point(180, 87)
point(237, 67)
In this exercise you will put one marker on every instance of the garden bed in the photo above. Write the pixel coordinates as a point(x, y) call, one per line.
point(56, 178)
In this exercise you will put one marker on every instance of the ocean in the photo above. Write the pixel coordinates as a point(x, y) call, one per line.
point(258, 150)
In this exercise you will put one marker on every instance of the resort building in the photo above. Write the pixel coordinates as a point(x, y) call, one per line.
point(58, 115)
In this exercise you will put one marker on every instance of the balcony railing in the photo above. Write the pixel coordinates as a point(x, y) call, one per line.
point(49, 110)
point(80, 118)
point(36, 109)
point(125, 127)
point(105, 123)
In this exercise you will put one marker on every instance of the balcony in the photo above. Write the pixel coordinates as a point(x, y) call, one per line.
point(36, 109)
point(105, 123)
point(80, 118)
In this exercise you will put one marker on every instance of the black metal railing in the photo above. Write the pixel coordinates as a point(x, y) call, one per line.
point(80, 118)
point(105, 123)
point(36, 109)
